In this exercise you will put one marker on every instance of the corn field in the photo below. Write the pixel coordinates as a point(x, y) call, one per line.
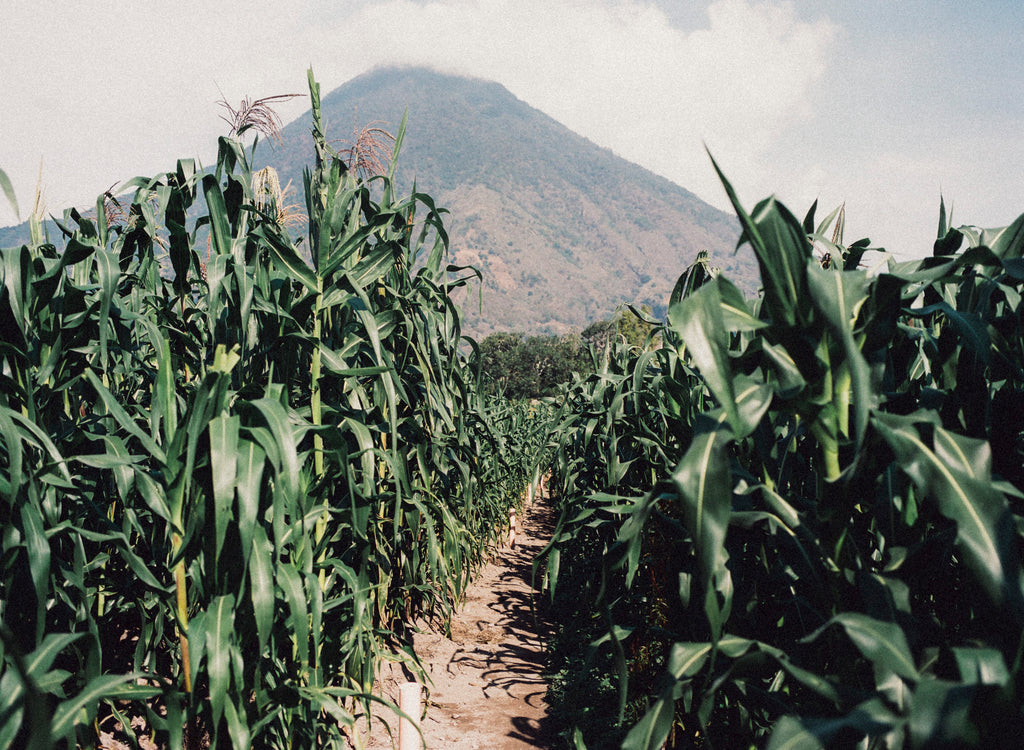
point(235, 463)
point(799, 523)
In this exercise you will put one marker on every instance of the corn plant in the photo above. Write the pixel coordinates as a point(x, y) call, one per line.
point(236, 464)
point(829, 553)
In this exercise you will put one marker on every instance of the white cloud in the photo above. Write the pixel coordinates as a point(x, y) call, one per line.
point(624, 76)
point(103, 91)
point(122, 89)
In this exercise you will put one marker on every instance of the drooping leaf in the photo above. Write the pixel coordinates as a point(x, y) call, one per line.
point(984, 525)
point(5, 185)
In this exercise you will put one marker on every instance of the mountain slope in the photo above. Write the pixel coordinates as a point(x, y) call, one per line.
point(564, 231)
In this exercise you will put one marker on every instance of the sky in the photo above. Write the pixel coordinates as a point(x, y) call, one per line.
point(884, 105)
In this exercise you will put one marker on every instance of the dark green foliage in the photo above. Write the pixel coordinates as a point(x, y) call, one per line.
point(804, 513)
point(521, 367)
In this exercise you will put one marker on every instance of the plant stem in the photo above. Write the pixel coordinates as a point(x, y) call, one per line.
point(182, 601)
point(314, 376)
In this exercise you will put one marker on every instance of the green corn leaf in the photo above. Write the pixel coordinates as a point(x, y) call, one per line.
point(703, 481)
point(808, 223)
point(330, 704)
point(838, 296)
point(397, 148)
point(17, 279)
point(374, 265)
point(81, 708)
point(250, 464)
point(109, 274)
point(943, 225)
point(10, 438)
point(8, 188)
point(223, 462)
point(782, 251)
point(787, 379)
point(118, 413)
point(697, 319)
point(261, 584)
point(687, 659)
point(33, 433)
point(47, 285)
point(695, 276)
point(37, 665)
point(285, 256)
point(219, 624)
point(981, 666)
point(984, 526)
point(178, 199)
point(298, 618)
point(651, 732)
point(941, 715)
point(38, 548)
point(883, 643)
point(970, 456)
point(337, 365)
point(238, 728)
point(285, 449)
point(121, 464)
point(753, 399)
point(736, 314)
point(220, 229)
point(871, 718)
point(788, 733)
point(164, 399)
point(822, 227)
point(153, 495)
point(1007, 243)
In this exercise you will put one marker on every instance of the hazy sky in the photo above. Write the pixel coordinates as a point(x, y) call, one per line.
point(883, 104)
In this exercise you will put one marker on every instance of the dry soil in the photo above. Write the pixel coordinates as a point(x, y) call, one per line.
point(486, 691)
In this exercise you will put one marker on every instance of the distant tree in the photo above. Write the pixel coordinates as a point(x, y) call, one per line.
point(529, 367)
point(499, 354)
point(634, 329)
point(624, 326)
point(599, 334)
point(521, 366)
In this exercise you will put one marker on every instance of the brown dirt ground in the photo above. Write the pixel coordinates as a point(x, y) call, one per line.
point(487, 692)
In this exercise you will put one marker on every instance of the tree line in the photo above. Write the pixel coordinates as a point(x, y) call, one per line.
point(525, 367)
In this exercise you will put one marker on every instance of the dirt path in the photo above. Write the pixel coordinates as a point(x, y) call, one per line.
point(487, 692)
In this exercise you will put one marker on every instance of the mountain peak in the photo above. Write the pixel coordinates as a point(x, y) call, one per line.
point(564, 231)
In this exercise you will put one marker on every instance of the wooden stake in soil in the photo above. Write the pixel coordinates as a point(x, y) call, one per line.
point(409, 702)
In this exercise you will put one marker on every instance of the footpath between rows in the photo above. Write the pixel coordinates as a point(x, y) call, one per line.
point(487, 689)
